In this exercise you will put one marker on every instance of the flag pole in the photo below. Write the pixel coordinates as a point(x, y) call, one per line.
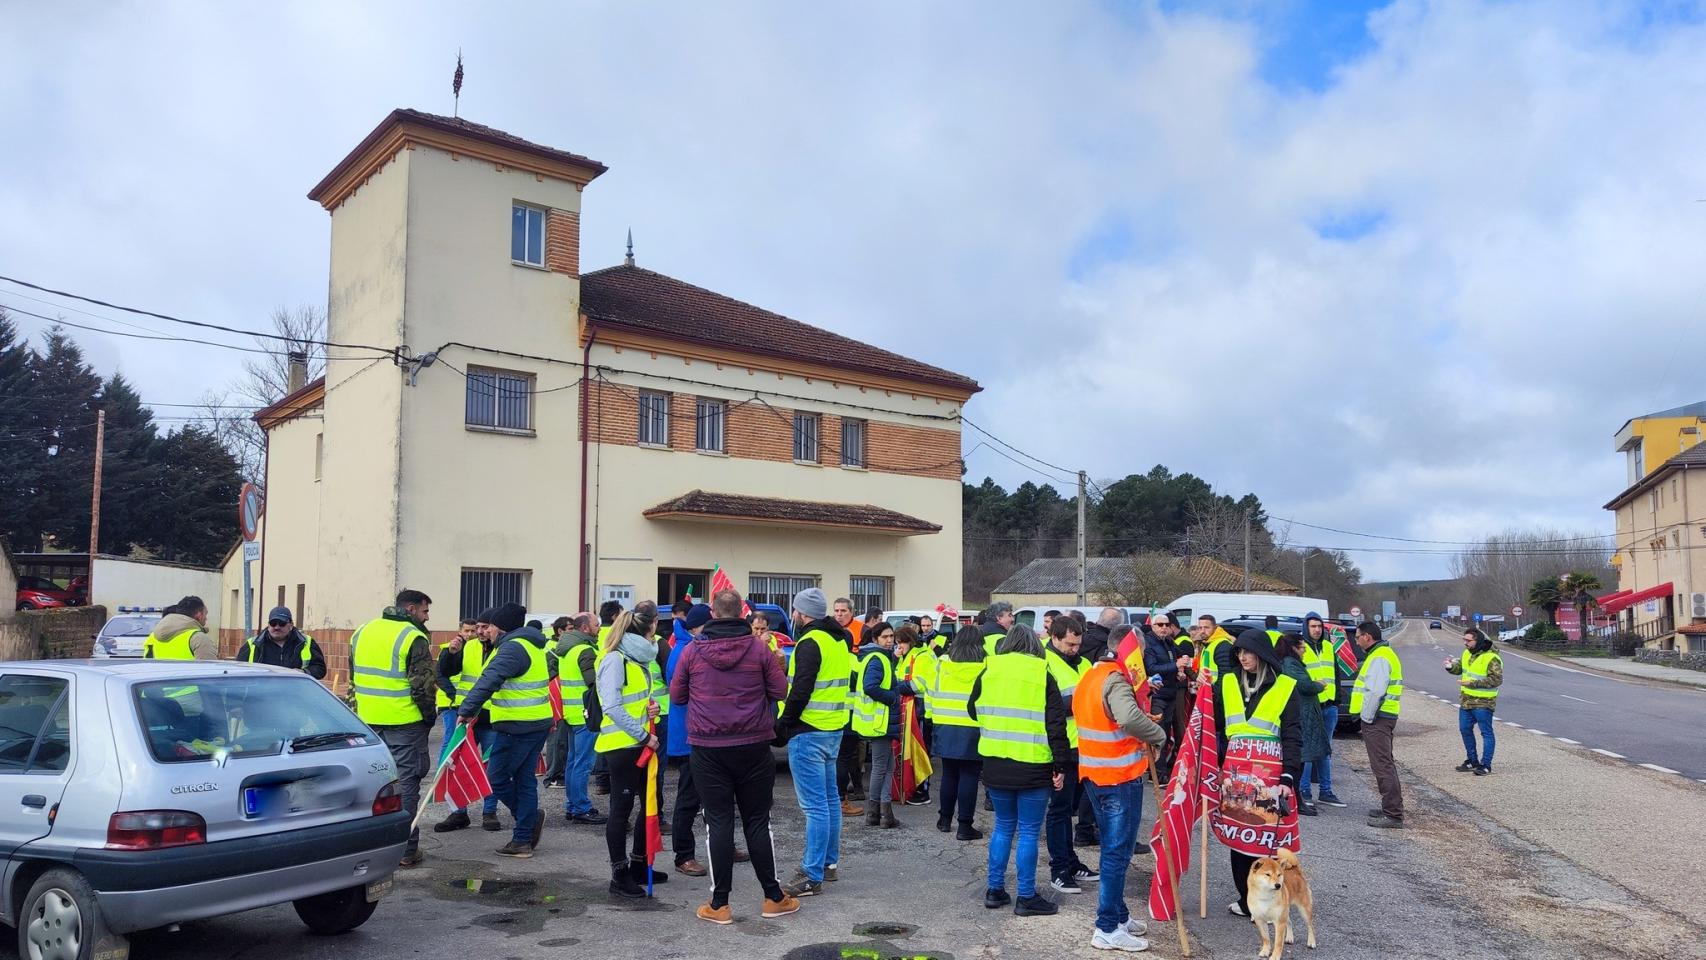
point(1202, 892)
point(426, 791)
point(1161, 854)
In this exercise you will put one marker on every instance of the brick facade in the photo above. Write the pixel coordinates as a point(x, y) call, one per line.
point(756, 430)
point(563, 242)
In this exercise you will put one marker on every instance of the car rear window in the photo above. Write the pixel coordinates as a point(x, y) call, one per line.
point(129, 626)
point(247, 716)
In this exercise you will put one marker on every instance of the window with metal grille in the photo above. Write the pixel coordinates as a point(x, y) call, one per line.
point(852, 443)
point(805, 437)
point(711, 415)
point(527, 235)
point(779, 588)
point(868, 592)
point(654, 418)
point(500, 399)
point(482, 589)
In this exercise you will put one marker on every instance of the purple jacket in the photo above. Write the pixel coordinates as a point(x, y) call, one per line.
point(731, 683)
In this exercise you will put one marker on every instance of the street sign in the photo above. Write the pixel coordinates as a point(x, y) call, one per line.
point(1356, 612)
point(1490, 618)
point(1516, 611)
point(1454, 611)
point(250, 506)
point(1477, 618)
point(251, 550)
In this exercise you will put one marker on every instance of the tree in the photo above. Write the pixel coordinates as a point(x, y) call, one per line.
point(22, 445)
point(264, 382)
point(1547, 593)
point(1141, 580)
point(193, 518)
point(68, 388)
point(1577, 589)
point(131, 474)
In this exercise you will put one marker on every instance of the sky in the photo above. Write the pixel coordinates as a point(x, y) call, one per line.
point(1398, 268)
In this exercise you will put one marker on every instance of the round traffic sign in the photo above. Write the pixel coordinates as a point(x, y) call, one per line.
point(1516, 611)
point(1356, 611)
point(250, 506)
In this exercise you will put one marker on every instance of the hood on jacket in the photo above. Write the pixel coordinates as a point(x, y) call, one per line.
point(724, 643)
point(532, 635)
point(829, 626)
point(1482, 644)
point(173, 624)
point(569, 639)
point(1257, 641)
point(1312, 615)
point(640, 649)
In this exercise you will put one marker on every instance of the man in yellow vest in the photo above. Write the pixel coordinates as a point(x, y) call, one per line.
point(181, 634)
point(814, 717)
point(997, 620)
point(608, 611)
point(282, 645)
point(1067, 873)
point(392, 676)
point(1376, 698)
point(515, 685)
point(577, 671)
point(1482, 672)
point(1321, 658)
point(459, 665)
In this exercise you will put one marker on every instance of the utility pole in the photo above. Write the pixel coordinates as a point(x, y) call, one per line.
point(95, 505)
point(1082, 565)
point(1246, 551)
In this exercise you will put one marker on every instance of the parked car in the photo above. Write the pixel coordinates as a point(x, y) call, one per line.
point(142, 793)
point(123, 635)
point(40, 593)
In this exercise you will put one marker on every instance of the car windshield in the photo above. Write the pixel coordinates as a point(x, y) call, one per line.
point(129, 626)
point(186, 720)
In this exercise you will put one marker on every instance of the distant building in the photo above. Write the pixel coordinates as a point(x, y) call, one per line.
point(560, 438)
point(1647, 442)
point(1661, 577)
point(1054, 580)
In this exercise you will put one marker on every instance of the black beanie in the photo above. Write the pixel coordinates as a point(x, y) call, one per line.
point(507, 617)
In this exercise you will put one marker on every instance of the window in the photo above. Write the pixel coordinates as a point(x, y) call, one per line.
point(779, 588)
point(281, 594)
point(319, 453)
point(527, 235)
point(868, 592)
point(489, 588)
point(301, 610)
point(708, 429)
point(852, 443)
point(35, 724)
point(242, 716)
point(805, 437)
point(654, 419)
point(499, 399)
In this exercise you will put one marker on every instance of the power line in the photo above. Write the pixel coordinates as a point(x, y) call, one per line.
point(1067, 470)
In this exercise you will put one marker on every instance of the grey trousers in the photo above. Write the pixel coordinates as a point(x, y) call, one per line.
point(1377, 737)
point(882, 768)
point(409, 752)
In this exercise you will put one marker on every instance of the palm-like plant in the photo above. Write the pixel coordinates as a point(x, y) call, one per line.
point(1547, 593)
point(1577, 589)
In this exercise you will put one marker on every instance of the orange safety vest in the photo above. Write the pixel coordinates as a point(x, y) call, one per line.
point(1107, 755)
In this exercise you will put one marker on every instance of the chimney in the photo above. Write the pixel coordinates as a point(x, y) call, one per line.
point(296, 371)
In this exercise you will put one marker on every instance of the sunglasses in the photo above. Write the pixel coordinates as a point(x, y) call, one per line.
point(279, 623)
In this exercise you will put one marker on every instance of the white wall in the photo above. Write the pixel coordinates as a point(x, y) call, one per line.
point(139, 583)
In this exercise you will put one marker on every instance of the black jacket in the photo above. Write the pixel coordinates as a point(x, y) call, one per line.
point(1160, 658)
point(1291, 720)
point(806, 664)
point(287, 654)
point(450, 666)
point(509, 661)
point(1094, 646)
point(1004, 774)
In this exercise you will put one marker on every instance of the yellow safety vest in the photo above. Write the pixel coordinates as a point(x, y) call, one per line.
point(870, 717)
point(953, 691)
point(379, 658)
point(1319, 663)
point(1394, 684)
point(525, 697)
point(1066, 677)
point(1274, 637)
point(176, 648)
point(636, 691)
point(1011, 709)
point(660, 690)
point(827, 708)
point(990, 641)
point(251, 650)
point(1475, 668)
point(573, 684)
point(1207, 667)
point(1265, 723)
point(473, 661)
point(923, 665)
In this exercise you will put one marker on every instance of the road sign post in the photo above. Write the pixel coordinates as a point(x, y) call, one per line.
point(250, 506)
point(1356, 613)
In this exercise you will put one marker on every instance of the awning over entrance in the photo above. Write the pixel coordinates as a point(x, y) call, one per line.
point(703, 507)
point(1616, 603)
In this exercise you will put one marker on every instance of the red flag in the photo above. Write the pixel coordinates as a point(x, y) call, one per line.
point(654, 830)
point(721, 581)
point(1348, 664)
point(1196, 775)
point(556, 695)
point(463, 780)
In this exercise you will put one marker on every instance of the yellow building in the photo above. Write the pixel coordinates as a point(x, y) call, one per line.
point(1661, 577)
point(500, 426)
point(1648, 441)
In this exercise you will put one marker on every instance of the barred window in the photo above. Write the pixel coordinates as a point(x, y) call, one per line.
point(482, 589)
point(852, 443)
point(501, 399)
point(779, 588)
point(868, 592)
point(805, 437)
point(654, 418)
point(708, 432)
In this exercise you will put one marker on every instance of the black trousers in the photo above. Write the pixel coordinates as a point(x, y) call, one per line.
point(627, 800)
point(686, 808)
point(1241, 864)
point(742, 779)
point(849, 768)
point(959, 788)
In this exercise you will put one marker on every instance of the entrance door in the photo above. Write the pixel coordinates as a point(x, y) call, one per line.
point(673, 584)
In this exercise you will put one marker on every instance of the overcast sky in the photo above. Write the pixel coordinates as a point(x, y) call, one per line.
point(1397, 268)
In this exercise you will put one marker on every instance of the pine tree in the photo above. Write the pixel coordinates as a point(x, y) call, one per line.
point(22, 443)
point(131, 475)
point(68, 389)
point(194, 517)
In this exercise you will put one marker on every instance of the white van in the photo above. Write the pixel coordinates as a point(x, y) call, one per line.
point(1230, 606)
point(1033, 616)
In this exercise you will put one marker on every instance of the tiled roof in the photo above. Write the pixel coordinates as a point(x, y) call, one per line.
point(480, 131)
point(650, 302)
point(1693, 457)
point(701, 505)
point(1060, 575)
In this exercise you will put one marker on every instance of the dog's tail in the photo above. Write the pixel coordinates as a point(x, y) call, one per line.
point(1287, 859)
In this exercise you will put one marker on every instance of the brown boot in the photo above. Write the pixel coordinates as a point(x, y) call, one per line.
point(851, 809)
point(889, 822)
point(873, 815)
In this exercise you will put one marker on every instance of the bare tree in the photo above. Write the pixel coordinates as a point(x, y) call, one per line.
point(1499, 571)
point(1216, 530)
point(1136, 581)
point(265, 380)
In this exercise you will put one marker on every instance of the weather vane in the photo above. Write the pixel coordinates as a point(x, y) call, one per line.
point(456, 87)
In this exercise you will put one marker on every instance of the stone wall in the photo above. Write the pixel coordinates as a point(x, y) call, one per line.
point(1672, 658)
point(60, 634)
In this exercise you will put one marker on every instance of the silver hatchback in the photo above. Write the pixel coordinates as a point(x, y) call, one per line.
point(140, 793)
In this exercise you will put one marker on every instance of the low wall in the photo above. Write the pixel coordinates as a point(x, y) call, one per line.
point(61, 634)
point(1672, 658)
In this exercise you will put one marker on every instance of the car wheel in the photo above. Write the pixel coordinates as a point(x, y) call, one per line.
point(62, 921)
point(337, 912)
point(25, 606)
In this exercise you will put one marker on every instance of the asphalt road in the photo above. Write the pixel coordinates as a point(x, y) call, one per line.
point(1642, 721)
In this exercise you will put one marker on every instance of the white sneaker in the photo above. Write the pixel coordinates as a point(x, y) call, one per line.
point(1065, 885)
point(1237, 909)
point(1136, 927)
point(1118, 940)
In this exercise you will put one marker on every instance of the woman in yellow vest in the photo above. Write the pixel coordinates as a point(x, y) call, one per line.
point(918, 666)
point(625, 697)
point(1261, 757)
point(1021, 722)
point(876, 718)
point(955, 739)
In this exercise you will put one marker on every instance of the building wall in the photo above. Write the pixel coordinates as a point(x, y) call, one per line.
point(1648, 442)
point(1656, 543)
point(138, 583)
point(8, 584)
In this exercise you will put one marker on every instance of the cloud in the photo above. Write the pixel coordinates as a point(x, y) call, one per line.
point(1404, 270)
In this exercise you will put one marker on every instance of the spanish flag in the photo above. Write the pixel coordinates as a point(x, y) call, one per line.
point(654, 830)
point(914, 767)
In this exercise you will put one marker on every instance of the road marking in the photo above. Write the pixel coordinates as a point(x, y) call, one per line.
point(1608, 753)
point(1573, 743)
point(1654, 766)
point(1540, 732)
point(1577, 699)
point(1554, 665)
point(1511, 723)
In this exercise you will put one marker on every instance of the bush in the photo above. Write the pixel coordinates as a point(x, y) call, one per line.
point(1545, 636)
point(1625, 643)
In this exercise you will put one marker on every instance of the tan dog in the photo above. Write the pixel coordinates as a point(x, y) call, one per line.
point(1276, 885)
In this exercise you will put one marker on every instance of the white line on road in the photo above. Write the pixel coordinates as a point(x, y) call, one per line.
point(1573, 743)
point(1512, 723)
point(1554, 665)
point(1654, 766)
point(1608, 753)
point(1577, 699)
point(1538, 732)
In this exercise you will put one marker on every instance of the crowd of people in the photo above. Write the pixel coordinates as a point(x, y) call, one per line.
point(1060, 725)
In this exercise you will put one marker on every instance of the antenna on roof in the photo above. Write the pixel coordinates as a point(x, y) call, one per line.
point(629, 260)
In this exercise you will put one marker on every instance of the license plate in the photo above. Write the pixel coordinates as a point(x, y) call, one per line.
point(377, 889)
point(283, 799)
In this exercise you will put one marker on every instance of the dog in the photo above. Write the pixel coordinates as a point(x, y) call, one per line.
point(1276, 885)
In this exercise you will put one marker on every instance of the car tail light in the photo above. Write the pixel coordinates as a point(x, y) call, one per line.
point(389, 799)
point(155, 829)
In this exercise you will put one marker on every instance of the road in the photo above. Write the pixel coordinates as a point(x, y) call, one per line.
point(1640, 721)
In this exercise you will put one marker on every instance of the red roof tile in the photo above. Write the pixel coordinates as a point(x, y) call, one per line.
point(650, 302)
point(698, 504)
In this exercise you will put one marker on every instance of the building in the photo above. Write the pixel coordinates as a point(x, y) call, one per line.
point(1661, 528)
point(502, 426)
point(1649, 441)
point(1054, 580)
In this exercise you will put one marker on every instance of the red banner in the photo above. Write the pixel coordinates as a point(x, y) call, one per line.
point(1196, 775)
point(1248, 817)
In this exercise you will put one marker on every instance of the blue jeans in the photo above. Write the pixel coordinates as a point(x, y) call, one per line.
point(1467, 721)
point(1323, 768)
point(1021, 812)
point(447, 719)
point(577, 743)
point(1062, 804)
point(512, 769)
point(1119, 809)
point(811, 761)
